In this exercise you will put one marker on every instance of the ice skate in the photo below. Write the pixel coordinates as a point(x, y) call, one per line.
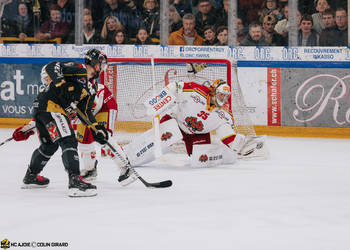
point(32, 180)
point(79, 188)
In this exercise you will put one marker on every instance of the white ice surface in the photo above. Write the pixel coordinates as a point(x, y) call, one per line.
point(298, 200)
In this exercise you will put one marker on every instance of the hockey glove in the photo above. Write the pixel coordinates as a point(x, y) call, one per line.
point(23, 133)
point(193, 68)
point(99, 133)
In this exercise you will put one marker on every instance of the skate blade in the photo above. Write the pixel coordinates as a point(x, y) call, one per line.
point(128, 181)
point(33, 186)
point(75, 192)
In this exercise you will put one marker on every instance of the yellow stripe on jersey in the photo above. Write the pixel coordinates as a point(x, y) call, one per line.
point(54, 107)
point(205, 95)
point(84, 74)
point(59, 84)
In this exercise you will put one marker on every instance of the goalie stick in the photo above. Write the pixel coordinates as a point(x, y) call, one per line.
point(161, 184)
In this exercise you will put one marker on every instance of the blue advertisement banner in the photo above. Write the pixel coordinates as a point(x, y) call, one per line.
point(19, 86)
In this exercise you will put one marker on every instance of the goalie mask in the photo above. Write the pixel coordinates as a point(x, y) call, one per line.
point(220, 92)
point(94, 57)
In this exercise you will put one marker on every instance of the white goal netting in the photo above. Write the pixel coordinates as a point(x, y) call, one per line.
point(131, 82)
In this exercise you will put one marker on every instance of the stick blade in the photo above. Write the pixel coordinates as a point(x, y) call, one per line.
point(162, 184)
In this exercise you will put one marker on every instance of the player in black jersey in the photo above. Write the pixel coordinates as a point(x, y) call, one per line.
point(67, 83)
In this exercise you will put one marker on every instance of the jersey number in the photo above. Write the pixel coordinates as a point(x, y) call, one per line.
point(204, 115)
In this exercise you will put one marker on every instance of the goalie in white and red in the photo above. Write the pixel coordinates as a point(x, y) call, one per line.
point(198, 110)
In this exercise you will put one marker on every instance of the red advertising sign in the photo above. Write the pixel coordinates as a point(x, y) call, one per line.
point(274, 96)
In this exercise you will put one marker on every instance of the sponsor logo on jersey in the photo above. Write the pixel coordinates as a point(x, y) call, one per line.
point(193, 124)
point(167, 135)
point(107, 99)
point(220, 113)
point(144, 149)
point(52, 129)
point(215, 158)
point(196, 99)
point(203, 158)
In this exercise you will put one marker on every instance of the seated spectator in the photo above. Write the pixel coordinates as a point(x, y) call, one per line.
point(187, 35)
point(150, 17)
point(142, 37)
point(206, 16)
point(254, 37)
point(321, 6)
point(221, 36)
point(22, 26)
point(119, 37)
point(53, 27)
point(307, 36)
point(241, 30)
point(282, 26)
point(110, 25)
point(270, 7)
point(127, 17)
point(182, 6)
point(175, 20)
point(328, 19)
point(90, 34)
point(271, 36)
point(209, 35)
point(339, 36)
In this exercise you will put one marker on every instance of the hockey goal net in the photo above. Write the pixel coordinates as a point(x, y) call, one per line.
point(131, 82)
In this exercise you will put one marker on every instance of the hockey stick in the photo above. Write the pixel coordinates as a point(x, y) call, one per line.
point(7, 140)
point(161, 184)
point(11, 138)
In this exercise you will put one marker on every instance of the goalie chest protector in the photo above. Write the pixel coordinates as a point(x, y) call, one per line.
point(195, 114)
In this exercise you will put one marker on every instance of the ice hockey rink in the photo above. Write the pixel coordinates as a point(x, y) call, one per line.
point(298, 199)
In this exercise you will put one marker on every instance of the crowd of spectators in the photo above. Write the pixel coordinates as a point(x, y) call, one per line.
point(191, 22)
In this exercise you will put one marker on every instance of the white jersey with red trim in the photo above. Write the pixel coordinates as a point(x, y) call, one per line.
point(194, 113)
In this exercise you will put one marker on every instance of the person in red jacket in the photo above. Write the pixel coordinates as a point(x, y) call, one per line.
point(54, 27)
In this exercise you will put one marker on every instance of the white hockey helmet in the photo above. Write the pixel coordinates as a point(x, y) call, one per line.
point(220, 92)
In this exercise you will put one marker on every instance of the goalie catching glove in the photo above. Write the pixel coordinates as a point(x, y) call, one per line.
point(99, 133)
point(22, 133)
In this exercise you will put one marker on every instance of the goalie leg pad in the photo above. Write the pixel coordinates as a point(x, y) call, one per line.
point(141, 149)
point(88, 157)
point(210, 155)
point(251, 145)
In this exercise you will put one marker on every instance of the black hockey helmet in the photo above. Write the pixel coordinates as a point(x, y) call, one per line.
point(94, 56)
